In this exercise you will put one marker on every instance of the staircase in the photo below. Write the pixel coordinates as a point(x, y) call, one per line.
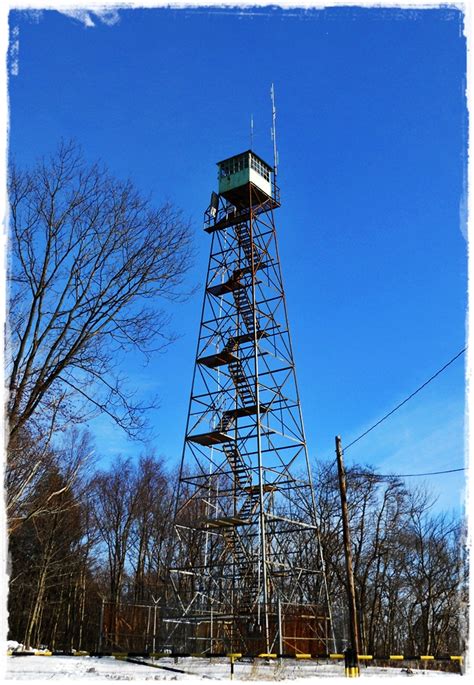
point(246, 563)
point(250, 592)
point(245, 309)
point(243, 238)
point(231, 345)
point(226, 422)
point(240, 295)
point(242, 385)
point(240, 470)
point(249, 504)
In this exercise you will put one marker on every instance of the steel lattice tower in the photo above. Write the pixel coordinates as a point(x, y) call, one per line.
point(248, 572)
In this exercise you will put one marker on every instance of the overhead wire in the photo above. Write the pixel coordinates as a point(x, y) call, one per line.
point(384, 418)
point(382, 476)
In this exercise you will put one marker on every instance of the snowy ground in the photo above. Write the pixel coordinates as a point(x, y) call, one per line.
point(71, 669)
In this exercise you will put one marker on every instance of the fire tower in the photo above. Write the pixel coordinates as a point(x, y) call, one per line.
point(248, 572)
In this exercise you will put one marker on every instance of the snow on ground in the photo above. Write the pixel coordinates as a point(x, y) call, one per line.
point(77, 669)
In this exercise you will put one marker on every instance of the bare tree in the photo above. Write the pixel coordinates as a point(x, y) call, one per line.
point(45, 554)
point(408, 563)
point(29, 466)
point(433, 573)
point(91, 260)
point(116, 505)
point(151, 527)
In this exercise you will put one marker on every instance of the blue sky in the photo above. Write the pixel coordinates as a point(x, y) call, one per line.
point(372, 130)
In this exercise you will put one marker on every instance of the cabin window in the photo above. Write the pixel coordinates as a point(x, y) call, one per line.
point(236, 164)
point(260, 168)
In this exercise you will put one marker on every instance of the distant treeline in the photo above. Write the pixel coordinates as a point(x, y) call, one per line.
point(79, 537)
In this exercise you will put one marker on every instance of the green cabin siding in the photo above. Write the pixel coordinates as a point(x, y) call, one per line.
point(235, 180)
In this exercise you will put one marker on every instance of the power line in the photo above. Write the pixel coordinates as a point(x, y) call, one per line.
point(435, 375)
point(381, 476)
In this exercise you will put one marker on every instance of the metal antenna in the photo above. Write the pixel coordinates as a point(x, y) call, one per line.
point(251, 131)
point(275, 153)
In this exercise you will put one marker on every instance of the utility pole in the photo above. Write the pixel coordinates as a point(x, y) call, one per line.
point(352, 661)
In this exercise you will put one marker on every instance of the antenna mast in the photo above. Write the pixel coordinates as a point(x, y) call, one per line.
point(251, 131)
point(275, 153)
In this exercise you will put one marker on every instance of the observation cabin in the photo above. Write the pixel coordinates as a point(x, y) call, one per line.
point(246, 179)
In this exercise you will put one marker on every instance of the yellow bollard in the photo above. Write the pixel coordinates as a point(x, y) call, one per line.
point(233, 658)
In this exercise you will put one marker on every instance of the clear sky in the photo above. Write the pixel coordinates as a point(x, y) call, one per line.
point(372, 131)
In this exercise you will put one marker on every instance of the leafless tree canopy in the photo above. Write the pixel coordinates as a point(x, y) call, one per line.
point(91, 260)
point(110, 537)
